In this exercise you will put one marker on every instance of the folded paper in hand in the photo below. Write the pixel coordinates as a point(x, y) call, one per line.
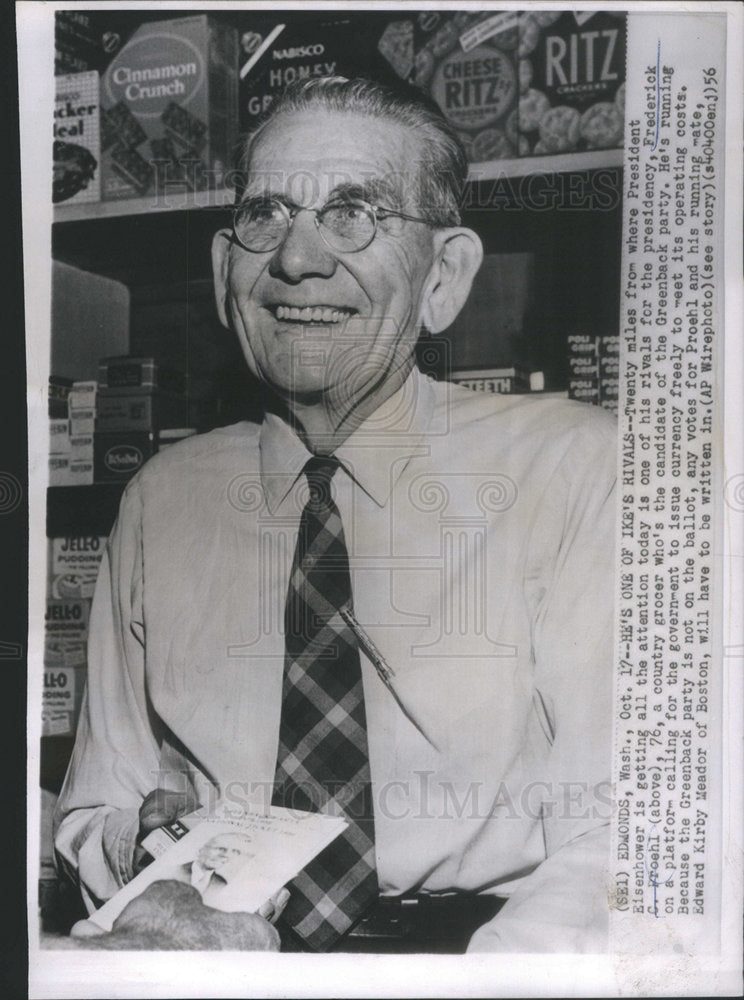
point(237, 859)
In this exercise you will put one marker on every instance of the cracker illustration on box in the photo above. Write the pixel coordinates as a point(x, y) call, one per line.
point(169, 99)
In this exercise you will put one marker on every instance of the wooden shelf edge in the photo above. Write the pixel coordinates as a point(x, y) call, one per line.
point(174, 201)
point(557, 164)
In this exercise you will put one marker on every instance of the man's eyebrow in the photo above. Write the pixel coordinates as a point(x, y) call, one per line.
point(372, 190)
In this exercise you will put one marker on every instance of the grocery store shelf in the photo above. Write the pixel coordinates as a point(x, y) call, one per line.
point(172, 201)
point(557, 164)
point(179, 201)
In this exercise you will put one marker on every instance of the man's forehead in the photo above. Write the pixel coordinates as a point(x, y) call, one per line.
point(310, 187)
point(307, 156)
point(230, 839)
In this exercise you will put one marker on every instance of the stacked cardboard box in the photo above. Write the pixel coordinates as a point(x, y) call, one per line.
point(594, 365)
point(71, 435)
point(59, 391)
point(167, 114)
point(82, 408)
point(139, 401)
point(73, 565)
point(59, 452)
point(609, 372)
point(65, 641)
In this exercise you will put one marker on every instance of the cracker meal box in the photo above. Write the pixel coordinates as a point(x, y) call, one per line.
point(76, 149)
point(169, 109)
point(572, 81)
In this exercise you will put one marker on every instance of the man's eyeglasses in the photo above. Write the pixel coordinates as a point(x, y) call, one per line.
point(345, 225)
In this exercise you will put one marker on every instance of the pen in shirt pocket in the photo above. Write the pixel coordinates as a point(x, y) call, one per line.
point(382, 667)
point(384, 671)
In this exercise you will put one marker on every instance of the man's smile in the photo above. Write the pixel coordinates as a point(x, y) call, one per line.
point(324, 314)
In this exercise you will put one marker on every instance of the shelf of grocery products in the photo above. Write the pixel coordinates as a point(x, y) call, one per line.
point(560, 163)
point(172, 201)
point(179, 201)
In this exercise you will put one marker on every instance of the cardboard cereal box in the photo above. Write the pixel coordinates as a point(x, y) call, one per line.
point(169, 109)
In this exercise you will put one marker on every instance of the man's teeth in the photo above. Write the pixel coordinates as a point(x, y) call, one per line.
point(312, 314)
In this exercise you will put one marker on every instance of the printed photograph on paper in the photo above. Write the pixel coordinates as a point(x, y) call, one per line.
point(388, 499)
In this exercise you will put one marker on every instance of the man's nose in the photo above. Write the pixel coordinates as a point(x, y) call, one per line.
point(303, 253)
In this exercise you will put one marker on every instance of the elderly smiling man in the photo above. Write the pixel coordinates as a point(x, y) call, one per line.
point(392, 599)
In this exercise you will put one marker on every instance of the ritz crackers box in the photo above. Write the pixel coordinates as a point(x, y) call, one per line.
point(169, 109)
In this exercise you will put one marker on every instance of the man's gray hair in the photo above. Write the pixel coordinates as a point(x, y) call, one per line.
point(440, 174)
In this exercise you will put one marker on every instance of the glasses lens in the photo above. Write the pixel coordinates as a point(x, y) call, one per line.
point(260, 225)
point(347, 225)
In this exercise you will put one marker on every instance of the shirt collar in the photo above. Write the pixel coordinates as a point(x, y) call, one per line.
point(374, 455)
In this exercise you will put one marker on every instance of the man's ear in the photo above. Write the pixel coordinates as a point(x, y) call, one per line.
point(220, 254)
point(458, 253)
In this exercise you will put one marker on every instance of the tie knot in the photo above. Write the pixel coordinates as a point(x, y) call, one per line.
point(320, 470)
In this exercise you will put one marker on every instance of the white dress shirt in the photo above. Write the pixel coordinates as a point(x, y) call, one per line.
point(480, 532)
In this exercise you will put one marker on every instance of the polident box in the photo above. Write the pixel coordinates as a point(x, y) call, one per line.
point(169, 109)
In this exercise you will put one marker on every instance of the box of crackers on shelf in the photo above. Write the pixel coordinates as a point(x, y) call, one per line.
point(467, 62)
point(278, 48)
point(571, 81)
point(77, 42)
point(516, 84)
point(169, 109)
point(76, 149)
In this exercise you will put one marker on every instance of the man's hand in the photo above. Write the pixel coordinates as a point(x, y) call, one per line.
point(159, 808)
point(170, 916)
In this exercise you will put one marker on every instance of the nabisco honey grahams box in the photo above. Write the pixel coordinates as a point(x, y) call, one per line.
point(169, 109)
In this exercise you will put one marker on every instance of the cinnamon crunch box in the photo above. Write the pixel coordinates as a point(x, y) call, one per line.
point(169, 109)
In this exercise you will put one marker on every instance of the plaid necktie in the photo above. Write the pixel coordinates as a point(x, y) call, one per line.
point(323, 761)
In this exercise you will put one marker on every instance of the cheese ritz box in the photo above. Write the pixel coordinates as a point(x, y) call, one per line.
point(517, 83)
point(169, 108)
